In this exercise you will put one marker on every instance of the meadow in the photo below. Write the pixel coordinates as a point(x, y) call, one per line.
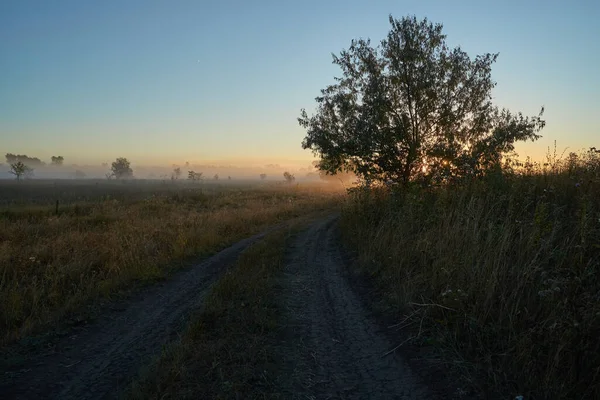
point(498, 273)
point(501, 273)
point(65, 244)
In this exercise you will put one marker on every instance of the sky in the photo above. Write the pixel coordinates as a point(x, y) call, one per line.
point(166, 81)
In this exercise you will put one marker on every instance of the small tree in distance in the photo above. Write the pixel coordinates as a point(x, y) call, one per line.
point(57, 160)
point(20, 170)
point(194, 176)
point(176, 173)
point(412, 109)
point(289, 178)
point(263, 176)
point(121, 168)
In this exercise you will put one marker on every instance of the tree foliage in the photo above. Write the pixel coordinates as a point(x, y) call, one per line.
point(121, 168)
point(30, 161)
point(57, 160)
point(412, 108)
point(263, 176)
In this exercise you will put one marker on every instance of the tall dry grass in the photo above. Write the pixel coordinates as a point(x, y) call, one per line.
point(501, 273)
point(50, 265)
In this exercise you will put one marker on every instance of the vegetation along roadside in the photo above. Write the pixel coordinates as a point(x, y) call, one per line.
point(501, 275)
point(52, 263)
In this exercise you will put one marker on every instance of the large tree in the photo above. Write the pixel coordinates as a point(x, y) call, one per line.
point(412, 108)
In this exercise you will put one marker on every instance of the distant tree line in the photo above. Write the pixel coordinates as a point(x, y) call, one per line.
point(32, 161)
point(21, 165)
point(29, 161)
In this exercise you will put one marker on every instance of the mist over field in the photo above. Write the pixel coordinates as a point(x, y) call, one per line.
point(273, 171)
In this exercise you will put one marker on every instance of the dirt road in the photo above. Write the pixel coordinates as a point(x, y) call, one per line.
point(331, 347)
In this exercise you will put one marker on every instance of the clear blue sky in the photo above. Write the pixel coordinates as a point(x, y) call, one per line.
point(163, 81)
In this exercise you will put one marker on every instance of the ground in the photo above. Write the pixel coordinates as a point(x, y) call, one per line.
point(330, 346)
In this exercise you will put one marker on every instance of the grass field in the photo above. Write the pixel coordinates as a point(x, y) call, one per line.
point(502, 274)
point(109, 236)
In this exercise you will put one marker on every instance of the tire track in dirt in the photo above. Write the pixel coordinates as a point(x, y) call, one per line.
point(98, 360)
point(333, 349)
